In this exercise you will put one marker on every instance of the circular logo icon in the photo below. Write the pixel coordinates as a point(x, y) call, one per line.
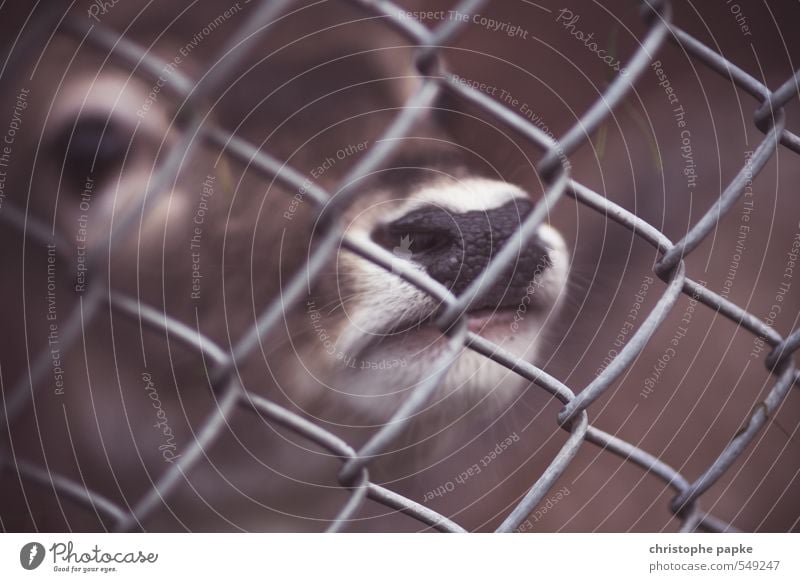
point(31, 555)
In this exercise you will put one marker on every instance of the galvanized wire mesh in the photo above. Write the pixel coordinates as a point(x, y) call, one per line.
point(554, 171)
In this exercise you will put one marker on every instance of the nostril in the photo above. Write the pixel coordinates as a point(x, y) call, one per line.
point(422, 242)
point(421, 232)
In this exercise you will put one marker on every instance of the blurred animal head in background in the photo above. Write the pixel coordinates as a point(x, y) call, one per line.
point(115, 266)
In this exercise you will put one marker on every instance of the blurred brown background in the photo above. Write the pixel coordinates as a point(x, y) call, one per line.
point(711, 384)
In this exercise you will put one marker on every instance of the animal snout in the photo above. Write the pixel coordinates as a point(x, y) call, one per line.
point(455, 248)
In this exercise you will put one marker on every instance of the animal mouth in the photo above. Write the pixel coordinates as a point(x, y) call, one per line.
point(484, 319)
point(478, 320)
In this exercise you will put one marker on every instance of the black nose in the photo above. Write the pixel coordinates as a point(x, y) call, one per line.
point(455, 248)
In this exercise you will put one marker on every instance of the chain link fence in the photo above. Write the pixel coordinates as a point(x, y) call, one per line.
point(553, 169)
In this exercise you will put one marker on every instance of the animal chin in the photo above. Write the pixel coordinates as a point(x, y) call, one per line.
point(381, 364)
